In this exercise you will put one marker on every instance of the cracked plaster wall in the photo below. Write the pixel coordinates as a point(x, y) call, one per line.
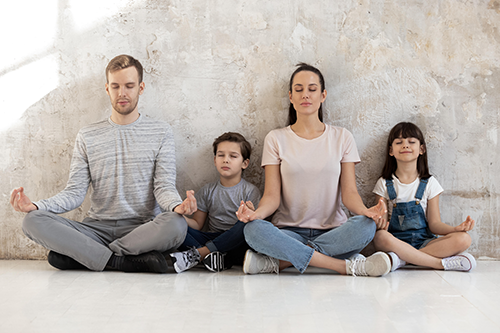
point(216, 66)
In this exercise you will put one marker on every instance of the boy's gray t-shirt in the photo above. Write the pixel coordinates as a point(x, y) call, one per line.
point(221, 203)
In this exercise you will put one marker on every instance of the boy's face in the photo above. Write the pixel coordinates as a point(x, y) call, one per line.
point(228, 160)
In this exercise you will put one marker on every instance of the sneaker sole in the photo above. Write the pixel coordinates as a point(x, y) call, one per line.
point(248, 254)
point(214, 262)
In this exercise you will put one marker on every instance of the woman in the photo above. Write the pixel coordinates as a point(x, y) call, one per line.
point(309, 166)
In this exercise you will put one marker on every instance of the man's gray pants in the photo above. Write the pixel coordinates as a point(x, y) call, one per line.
point(92, 242)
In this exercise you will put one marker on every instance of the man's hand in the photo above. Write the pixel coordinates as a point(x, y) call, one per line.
point(20, 201)
point(188, 206)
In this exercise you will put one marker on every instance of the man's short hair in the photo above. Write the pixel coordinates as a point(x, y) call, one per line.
point(245, 147)
point(121, 62)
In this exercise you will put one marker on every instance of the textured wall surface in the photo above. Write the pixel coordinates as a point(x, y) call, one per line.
point(224, 65)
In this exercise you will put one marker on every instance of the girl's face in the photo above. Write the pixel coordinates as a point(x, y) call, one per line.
point(306, 95)
point(406, 149)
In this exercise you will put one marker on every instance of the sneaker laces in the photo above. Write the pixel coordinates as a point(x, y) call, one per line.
point(191, 255)
point(271, 265)
point(454, 263)
point(357, 267)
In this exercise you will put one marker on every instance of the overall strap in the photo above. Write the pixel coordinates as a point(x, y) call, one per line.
point(390, 189)
point(421, 189)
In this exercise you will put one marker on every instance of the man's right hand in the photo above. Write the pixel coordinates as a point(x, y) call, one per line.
point(20, 201)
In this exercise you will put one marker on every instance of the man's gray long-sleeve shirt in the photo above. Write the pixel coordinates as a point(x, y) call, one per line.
point(131, 169)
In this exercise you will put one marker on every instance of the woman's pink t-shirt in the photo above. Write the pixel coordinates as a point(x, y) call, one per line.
point(310, 175)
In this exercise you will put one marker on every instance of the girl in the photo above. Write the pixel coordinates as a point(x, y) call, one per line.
point(414, 209)
point(309, 167)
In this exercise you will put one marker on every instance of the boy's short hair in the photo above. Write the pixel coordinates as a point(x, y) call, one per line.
point(245, 147)
point(124, 61)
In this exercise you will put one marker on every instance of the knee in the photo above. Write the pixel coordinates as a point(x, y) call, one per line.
point(365, 223)
point(33, 221)
point(255, 228)
point(172, 223)
point(463, 241)
point(382, 239)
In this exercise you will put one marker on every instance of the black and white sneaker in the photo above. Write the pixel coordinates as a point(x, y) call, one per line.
point(214, 261)
point(185, 260)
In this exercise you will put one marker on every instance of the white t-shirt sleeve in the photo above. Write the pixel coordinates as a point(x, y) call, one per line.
point(381, 189)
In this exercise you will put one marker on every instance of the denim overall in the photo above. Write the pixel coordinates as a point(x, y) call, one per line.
point(408, 222)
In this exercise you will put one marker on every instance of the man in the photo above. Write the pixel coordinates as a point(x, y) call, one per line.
point(130, 161)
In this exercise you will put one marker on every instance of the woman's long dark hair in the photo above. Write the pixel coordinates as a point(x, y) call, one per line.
point(405, 130)
point(292, 114)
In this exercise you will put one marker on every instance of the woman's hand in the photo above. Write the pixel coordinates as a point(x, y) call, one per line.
point(246, 212)
point(378, 214)
point(465, 226)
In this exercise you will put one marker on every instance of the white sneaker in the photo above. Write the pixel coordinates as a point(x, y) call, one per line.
point(185, 260)
point(464, 262)
point(396, 261)
point(377, 264)
point(256, 263)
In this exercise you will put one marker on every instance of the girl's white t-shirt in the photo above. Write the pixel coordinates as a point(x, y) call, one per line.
point(310, 175)
point(406, 192)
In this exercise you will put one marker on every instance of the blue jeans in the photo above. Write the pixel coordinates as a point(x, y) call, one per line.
point(232, 242)
point(297, 245)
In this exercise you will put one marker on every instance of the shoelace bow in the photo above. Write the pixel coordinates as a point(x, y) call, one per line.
point(357, 267)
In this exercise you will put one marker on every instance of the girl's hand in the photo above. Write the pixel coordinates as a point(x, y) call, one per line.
point(467, 225)
point(377, 213)
point(246, 212)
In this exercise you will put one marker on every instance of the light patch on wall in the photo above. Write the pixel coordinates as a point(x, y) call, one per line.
point(493, 135)
point(87, 14)
point(32, 33)
point(26, 86)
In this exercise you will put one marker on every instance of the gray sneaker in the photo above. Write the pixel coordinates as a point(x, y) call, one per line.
point(256, 263)
point(377, 264)
point(185, 260)
point(464, 262)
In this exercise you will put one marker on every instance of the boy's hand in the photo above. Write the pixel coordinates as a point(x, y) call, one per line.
point(20, 202)
point(246, 212)
point(377, 214)
point(188, 206)
point(467, 225)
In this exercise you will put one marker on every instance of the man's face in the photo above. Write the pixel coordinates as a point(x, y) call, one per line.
point(123, 88)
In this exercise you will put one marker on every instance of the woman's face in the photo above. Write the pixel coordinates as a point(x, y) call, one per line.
point(306, 95)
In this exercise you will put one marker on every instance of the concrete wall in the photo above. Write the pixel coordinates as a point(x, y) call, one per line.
point(223, 65)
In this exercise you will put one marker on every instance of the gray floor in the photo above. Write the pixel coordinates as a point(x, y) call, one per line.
point(34, 297)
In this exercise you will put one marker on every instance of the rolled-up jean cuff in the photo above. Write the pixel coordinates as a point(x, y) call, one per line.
point(211, 246)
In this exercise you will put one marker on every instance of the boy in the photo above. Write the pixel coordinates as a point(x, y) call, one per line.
point(224, 243)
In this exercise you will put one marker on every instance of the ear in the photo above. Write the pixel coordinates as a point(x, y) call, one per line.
point(422, 149)
point(141, 87)
point(390, 151)
point(290, 96)
point(107, 89)
point(323, 96)
point(245, 164)
point(215, 158)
